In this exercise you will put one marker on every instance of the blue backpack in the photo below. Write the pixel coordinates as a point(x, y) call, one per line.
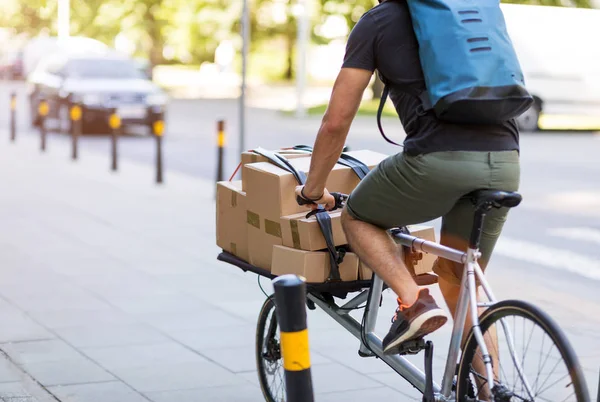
point(472, 73)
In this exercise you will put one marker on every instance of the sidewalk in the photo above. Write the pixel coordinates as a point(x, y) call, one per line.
point(17, 386)
point(110, 290)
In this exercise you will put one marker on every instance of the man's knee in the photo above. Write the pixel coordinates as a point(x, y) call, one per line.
point(347, 219)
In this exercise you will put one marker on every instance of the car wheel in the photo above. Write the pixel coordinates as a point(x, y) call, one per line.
point(529, 120)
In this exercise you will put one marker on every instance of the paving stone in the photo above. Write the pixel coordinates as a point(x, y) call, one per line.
point(396, 382)
point(335, 377)
point(15, 392)
point(177, 376)
point(131, 356)
point(40, 351)
point(8, 371)
point(60, 302)
point(218, 338)
point(113, 391)
point(351, 359)
point(189, 320)
point(240, 393)
point(66, 372)
point(372, 394)
point(18, 327)
point(116, 335)
point(161, 303)
point(83, 318)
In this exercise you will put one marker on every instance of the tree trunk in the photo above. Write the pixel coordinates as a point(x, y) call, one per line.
point(153, 29)
point(289, 72)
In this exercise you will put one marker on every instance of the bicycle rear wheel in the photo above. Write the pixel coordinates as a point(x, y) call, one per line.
point(532, 359)
point(269, 361)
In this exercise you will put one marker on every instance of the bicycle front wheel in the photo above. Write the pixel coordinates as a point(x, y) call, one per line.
point(531, 357)
point(269, 362)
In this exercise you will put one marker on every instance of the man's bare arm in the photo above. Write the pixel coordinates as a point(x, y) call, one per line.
point(345, 99)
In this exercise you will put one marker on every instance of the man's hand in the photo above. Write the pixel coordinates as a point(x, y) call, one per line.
point(326, 199)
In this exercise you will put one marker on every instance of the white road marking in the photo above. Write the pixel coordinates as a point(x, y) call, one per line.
point(579, 233)
point(550, 257)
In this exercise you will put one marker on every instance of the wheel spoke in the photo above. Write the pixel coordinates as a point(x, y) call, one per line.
point(554, 368)
point(554, 383)
point(550, 381)
point(568, 396)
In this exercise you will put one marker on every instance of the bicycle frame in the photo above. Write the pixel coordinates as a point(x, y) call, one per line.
point(467, 298)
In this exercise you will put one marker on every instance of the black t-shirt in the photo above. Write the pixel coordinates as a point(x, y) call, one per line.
point(384, 40)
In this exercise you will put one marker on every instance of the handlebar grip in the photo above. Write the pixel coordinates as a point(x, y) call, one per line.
point(339, 200)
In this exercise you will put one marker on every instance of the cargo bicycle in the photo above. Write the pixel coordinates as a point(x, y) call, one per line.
point(523, 368)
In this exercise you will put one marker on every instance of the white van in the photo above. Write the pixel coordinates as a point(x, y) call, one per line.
point(559, 53)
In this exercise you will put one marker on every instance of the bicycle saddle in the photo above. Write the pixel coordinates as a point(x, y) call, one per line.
point(496, 198)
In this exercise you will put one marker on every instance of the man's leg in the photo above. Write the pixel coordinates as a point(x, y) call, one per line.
point(401, 191)
point(375, 247)
point(456, 229)
point(417, 314)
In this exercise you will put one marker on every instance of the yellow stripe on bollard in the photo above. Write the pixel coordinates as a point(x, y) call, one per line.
point(295, 350)
point(76, 113)
point(43, 108)
point(221, 139)
point(114, 121)
point(13, 103)
point(158, 127)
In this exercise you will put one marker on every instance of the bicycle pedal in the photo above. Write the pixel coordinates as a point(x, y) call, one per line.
point(412, 347)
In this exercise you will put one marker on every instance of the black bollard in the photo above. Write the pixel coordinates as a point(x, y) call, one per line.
point(220, 147)
point(115, 124)
point(159, 127)
point(290, 302)
point(43, 110)
point(76, 116)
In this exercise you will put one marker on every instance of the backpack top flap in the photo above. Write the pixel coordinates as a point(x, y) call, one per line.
point(471, 69)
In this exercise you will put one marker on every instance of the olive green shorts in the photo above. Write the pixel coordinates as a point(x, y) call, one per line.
point(406, 190)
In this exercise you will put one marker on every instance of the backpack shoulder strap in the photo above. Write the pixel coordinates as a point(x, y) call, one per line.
point(356, 165)
point(384, 96)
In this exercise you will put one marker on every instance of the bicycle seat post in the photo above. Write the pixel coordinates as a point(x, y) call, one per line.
point(480, 213)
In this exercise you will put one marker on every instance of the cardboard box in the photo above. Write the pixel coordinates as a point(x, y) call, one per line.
point(270, 194)
point(262, 236)
point(232, 234)
point(251, 157)
point(423, 266)
point(305, 234)
point(314, 266)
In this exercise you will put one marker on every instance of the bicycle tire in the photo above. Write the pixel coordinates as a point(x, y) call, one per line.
point(261, 327)
point(545, 322)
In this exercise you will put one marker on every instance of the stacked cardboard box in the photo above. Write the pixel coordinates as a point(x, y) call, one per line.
point(271, 195)
point(259, 220)
point(232, 235)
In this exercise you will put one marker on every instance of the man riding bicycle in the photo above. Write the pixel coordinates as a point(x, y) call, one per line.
point(440, 164)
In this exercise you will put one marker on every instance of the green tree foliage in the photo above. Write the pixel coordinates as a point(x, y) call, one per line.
point(191, 29)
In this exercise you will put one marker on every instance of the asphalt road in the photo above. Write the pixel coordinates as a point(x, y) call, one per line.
point(549, 252)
